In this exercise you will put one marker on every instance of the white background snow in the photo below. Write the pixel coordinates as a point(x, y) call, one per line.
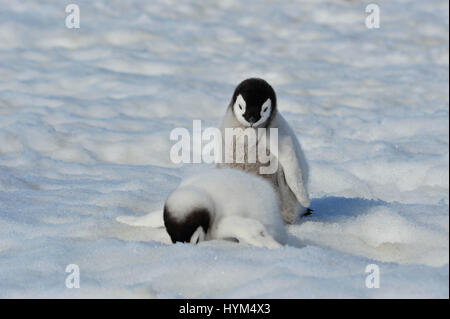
point(85, 117)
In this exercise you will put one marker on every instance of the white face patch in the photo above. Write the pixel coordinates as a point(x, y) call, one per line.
point(239, 108)
point(266, 110)
point(198, 236)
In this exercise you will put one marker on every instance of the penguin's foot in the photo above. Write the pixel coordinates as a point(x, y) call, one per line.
point(308, 212)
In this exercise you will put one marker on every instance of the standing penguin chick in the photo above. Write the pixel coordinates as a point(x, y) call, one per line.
point(224, 204)
point(254, 105)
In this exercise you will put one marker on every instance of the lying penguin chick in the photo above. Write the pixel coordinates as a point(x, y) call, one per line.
point(225, 204)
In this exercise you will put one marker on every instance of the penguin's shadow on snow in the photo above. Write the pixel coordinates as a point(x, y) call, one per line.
point(331, 209)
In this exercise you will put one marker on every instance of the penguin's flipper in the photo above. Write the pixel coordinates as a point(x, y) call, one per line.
point(154, 219)
point(245, 230)
point(292, 160)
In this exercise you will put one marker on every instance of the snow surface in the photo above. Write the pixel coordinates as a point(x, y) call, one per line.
point(85, 117)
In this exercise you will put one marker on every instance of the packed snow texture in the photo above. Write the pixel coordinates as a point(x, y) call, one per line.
point(85, 117)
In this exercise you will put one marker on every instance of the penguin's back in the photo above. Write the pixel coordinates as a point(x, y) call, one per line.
point(237, 193)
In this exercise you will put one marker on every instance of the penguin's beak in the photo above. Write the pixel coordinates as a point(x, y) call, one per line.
point(251, 121)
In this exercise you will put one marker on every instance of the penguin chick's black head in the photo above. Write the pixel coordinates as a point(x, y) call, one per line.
point(254, 102)
point(182, 229)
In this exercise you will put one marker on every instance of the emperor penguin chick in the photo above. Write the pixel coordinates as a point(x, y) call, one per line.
point(224, 204)
point(254, 106)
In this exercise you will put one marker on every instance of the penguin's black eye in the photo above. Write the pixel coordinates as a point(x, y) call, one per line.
point(265, 109)
point(240, 106)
